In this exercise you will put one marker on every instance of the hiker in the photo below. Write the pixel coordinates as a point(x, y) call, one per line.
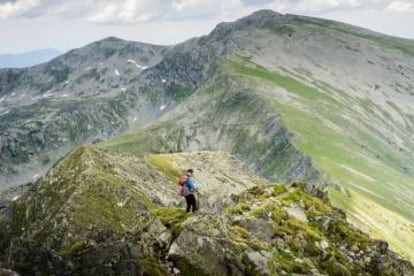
point(189, 188)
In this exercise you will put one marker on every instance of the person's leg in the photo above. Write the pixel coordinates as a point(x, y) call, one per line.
point(193, 202)
point(188, 201)
point(195, 206)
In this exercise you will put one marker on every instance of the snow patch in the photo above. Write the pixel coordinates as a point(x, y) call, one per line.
point(163, 107)
point(139, 66)
point(163, 80)
point(66, 82)
point(13, 94)
point(35, 176)
point(117, 72)
point(64, 95)
point(123, 89)
point(47, 94)
point(15, 198)
point(135, 118)
point(2, 98)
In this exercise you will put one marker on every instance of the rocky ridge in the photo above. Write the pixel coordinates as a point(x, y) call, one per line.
point(91, 216)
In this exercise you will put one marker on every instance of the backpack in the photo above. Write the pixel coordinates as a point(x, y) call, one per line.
point(181, 190)
point(182, 180)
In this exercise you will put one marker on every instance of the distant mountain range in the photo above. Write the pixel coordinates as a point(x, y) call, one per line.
point(28, 58)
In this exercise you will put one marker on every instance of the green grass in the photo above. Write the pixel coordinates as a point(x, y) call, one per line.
point(404, 45)
point(171, 217)
point(166, 164)
point(354, 155)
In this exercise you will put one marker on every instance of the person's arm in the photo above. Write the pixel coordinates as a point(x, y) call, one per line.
point(191, 184)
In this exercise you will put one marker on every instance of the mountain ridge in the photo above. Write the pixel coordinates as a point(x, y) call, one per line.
point(310, 100)
point(98, 211)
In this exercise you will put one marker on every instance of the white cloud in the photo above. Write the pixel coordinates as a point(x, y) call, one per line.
point(134, 11)
point(65, 24)
point(16, 8)
point(316, 6)
point(400, 6)
point(125, 11)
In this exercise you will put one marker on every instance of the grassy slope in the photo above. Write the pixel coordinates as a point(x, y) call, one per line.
point(373, 188)
point(404, 45)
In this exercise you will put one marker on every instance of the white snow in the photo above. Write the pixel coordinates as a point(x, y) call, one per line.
point(163, 107)
point(13, 94)
point(66, 82)
point(88, 68)
point(163, 80)
point(64, 95)
point(47, 94)
point(15, 198)
point(35, 176)
point(135, 119)
point(123, 89)
point(139, 66)
point(117, 72)
point(2, 98)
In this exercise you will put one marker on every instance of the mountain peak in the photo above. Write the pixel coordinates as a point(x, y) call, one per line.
point(111, 39)
point(260, 19)
point(264, 13)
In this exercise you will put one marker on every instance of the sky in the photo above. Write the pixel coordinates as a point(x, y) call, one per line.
point(27, 25)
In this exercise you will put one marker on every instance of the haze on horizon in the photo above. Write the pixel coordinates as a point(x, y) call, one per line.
point(27, 25)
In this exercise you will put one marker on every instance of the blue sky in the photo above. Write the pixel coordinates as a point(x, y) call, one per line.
point(64, 24)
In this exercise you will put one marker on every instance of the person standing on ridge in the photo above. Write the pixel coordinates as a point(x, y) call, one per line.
point(189, 189)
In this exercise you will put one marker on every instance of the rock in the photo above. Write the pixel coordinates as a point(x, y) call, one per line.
point(260, 228)
point(382, 247)
point(324, 244)
point(296, 212)
point(260, 260)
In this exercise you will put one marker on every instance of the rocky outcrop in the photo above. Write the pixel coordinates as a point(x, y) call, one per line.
point(99, 212)
point(256, 236)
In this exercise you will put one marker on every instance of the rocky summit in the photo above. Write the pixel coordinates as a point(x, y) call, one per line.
point(100, 213)
point(92, 144)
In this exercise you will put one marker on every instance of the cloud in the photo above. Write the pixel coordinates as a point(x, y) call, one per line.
point(16, 8)
point(134, 11)
point(400, 6)
point(256, 2)
point(125, 11)
point(317, 6)
point(139, 11)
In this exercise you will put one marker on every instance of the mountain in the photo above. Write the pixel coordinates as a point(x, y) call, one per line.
point(290, 97)
point(27, 59)
point(103, 213)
